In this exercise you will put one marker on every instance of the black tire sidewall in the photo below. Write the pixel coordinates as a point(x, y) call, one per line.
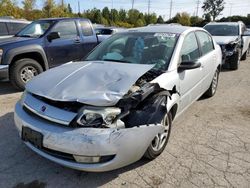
point(15, 71)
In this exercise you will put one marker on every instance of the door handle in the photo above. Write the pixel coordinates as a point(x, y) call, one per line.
point(77, 41)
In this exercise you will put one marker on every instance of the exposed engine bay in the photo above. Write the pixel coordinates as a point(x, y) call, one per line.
point(144, 99)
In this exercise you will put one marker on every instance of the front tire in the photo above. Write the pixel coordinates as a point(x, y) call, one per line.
point(160, 141)
point(235, 61)
point(24, 70)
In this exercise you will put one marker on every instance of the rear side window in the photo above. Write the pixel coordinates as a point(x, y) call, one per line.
point(3, 29)
point(190, 49)
point(86, 28)
point(206, 42)
point(14, 28)
point(67, 29)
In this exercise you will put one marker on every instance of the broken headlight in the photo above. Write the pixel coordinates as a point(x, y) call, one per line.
point(97, 117)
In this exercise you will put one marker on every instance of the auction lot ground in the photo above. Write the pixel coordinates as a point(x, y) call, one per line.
point(209, 147)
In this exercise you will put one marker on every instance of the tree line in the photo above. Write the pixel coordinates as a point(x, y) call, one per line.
point(122, 18)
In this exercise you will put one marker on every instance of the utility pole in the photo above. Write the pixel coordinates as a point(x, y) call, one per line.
point(231, 5)
point(197, 8)
point(171, 6)
point(79, 8)
point(149, 4)
point(133, 2)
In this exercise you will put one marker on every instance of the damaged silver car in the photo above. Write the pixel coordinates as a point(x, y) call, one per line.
point(118, 104)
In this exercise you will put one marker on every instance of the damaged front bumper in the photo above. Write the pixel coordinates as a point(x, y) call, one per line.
point(87, 149)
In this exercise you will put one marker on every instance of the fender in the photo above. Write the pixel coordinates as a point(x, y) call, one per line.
point(10, 54)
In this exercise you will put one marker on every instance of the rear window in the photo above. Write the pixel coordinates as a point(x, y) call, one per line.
point(3, 29)
point(14, 28)
point(86, 28)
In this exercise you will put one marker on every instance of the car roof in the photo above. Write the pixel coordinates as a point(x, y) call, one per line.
point(223, 23)
point(58, 19)
point(14, 20)
point(169, 28)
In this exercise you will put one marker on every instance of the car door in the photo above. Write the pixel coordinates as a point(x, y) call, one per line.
point(190, 80)
point(208, 58)
point(88, 38)
point(67, 47)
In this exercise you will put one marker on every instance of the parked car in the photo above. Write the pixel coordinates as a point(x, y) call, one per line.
point(44, 44)
point(118, 105)
point(10, 26)
point(106, 32)
point(233, 39)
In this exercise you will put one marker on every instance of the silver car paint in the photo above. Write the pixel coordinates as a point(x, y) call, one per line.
point(94, 83)
point(130, 144)
point(224, 39)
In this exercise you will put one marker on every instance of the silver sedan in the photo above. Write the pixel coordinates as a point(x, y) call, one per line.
point(118, 105)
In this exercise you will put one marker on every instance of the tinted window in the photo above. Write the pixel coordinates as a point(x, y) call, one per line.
point(3, 29)
point(222, 30)
point(14, 28)
point(86, 28)
point(190, 49)
point(205, 42)
point(67, 29)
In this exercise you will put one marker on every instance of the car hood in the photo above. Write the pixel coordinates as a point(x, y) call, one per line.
point(9, 40)
point(93, 83)
point(224, 39)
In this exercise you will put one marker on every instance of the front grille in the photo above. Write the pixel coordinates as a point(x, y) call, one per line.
point(68, 106)
point(59, 155)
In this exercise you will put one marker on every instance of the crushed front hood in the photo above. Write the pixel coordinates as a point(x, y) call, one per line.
point(224, 39)
point(93, 83)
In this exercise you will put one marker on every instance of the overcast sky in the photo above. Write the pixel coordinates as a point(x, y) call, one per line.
point(160, 7)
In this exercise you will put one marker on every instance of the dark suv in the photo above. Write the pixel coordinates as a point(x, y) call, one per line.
point(44, 44)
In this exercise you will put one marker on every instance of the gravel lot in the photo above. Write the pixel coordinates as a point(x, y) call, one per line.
point(209, 147)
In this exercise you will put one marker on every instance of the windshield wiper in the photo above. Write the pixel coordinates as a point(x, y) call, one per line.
point(115, 60)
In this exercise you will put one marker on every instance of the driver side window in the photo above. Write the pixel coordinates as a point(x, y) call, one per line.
point(190, 49)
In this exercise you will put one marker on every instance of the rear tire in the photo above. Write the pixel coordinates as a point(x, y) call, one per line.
point(153, 151)
point(213, 87)
point(244, 57)
point(24, 70)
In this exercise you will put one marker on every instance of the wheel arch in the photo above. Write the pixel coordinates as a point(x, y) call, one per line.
point(35, 52)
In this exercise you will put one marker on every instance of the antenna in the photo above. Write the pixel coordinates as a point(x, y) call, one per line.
point(171, 6)
point(133, 2)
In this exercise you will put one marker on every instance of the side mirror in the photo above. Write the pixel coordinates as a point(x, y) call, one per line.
point(246, 34)
point(53, 36)
point(188, 65)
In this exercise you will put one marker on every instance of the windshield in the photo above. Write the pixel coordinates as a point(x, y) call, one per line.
point(222, 30)
point(137, 48)
point(35, 29)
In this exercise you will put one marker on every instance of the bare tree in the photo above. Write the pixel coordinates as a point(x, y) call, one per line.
point(213, 7)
